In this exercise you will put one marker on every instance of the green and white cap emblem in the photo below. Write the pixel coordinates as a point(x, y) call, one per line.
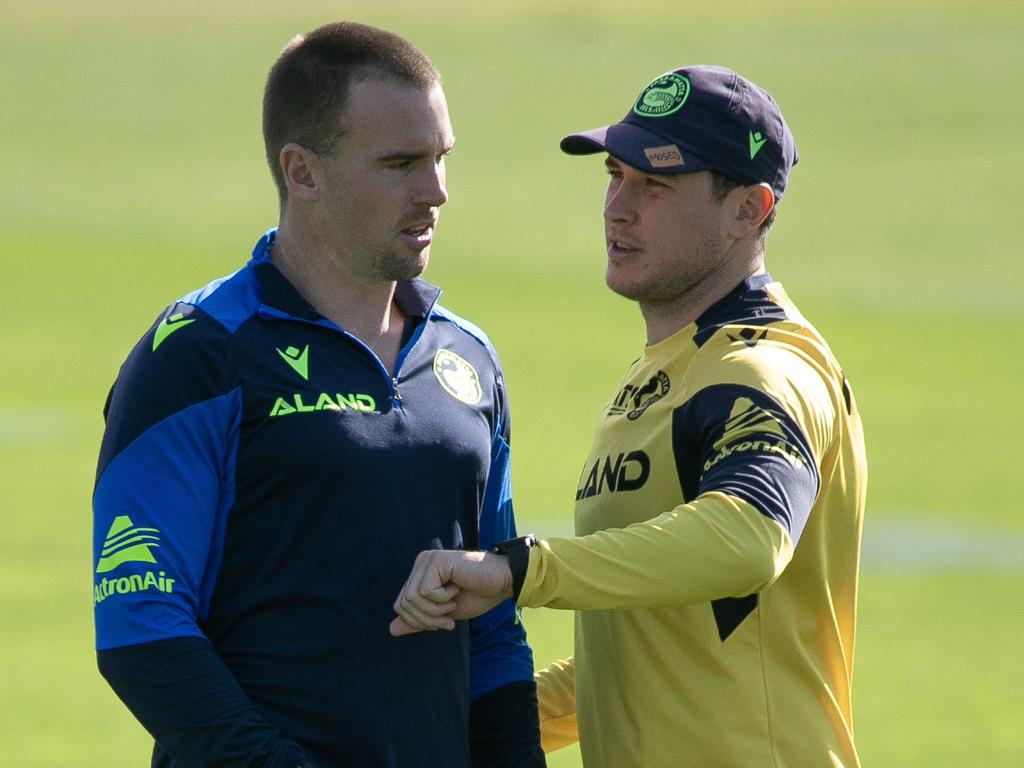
point(663, 96)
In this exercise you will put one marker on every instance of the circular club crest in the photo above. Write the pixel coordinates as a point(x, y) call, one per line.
point(459, 378)
point(653, 391)
point(663, 96)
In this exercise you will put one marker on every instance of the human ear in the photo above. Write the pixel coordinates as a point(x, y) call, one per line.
point(752, 206)
point(297, 163)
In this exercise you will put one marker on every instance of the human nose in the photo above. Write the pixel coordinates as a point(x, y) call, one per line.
point(618, 202)
point(433, 190)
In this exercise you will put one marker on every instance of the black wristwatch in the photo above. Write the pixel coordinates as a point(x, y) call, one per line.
point(518, 553)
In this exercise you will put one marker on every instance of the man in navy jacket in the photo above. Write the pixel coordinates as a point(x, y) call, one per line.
point(282, 442)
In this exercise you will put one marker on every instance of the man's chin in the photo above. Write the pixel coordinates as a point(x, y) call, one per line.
point(625, 289)
point(408, 268)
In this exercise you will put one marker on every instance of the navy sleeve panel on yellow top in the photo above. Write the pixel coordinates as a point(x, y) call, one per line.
point(737, 440)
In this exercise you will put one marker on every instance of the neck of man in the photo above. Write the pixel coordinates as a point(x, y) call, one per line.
point(667, 318)
point(363, 308)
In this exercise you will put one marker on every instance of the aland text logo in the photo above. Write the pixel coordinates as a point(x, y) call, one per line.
point(624, 472)
point(289, 404)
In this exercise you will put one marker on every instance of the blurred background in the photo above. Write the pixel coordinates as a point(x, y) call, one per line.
point(131, 172)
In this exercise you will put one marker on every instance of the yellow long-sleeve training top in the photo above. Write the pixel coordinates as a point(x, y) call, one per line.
point(714, 571)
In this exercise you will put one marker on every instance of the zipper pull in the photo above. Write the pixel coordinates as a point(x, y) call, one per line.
point(394, 385)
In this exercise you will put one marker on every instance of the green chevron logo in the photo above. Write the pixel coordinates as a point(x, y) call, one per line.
point(299, 361)
point(127, 543)
point(168, 326)
point(756, 142)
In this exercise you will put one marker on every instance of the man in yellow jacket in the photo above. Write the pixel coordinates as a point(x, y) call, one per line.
point(719, 513)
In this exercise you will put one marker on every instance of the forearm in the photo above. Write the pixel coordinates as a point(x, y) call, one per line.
point(718, 546)
point(504, 730)
point(191, 704)
point(556, 702)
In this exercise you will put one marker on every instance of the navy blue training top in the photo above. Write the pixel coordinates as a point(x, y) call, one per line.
point(264, 484)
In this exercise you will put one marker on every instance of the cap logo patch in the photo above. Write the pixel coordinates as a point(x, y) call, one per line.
point(756, 142)
point(663, 96)
point(668, 156)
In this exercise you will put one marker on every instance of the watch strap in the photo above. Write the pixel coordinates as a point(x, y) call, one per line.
point(518, 553)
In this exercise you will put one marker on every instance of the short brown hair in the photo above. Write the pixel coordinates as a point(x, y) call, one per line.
point(307, 88)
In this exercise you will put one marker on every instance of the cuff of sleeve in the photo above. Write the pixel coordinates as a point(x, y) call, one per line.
point(517, 553)
point(532, 574)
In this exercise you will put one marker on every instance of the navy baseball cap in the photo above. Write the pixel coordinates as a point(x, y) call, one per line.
point(699, 118)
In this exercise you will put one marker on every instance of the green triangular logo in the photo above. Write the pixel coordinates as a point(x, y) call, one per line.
point(299, 361)
point(756, 142)
point(170, 324)
point(126, 543)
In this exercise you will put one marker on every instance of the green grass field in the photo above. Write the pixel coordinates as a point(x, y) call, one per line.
point(132, 172)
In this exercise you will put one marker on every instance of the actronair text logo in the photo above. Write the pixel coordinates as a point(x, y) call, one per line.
point(753, 428)
point(668, 156)
point(663, 96)
point(286, 405)
point(128, 543)
point(624, 472)
point(126, 585)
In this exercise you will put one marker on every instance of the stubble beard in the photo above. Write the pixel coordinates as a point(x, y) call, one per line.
point(683, 284)
point(392, 266)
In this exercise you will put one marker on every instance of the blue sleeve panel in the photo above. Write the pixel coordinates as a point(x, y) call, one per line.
point(180, 690)
point(498, 651)
point(165, 482)
point(160, 514)
point(737, 440)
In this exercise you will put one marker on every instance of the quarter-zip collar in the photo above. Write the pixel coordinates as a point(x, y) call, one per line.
point(416, 298)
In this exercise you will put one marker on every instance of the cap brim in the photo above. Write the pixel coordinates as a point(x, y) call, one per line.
point(637, 147)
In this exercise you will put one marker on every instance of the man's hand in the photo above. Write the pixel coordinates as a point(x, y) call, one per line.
point(446, 585)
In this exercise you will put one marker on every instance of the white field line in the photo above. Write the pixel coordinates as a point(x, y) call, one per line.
point(37, 426)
